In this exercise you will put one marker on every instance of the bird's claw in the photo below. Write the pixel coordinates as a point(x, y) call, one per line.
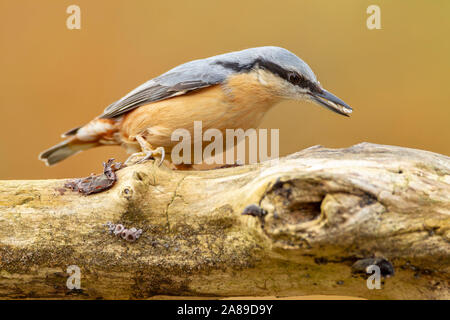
point(162, 152)
point(146, 155)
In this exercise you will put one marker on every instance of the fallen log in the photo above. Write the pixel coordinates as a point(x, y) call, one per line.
point(312, 224)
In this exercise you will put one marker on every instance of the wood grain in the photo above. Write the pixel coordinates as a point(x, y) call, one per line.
point(326, 210)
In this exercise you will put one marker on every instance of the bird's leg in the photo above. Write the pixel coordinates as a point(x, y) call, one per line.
point(147, 152)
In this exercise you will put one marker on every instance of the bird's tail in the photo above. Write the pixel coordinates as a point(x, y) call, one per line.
point(64, 150)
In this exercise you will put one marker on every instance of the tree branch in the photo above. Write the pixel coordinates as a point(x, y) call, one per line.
point(326, 214)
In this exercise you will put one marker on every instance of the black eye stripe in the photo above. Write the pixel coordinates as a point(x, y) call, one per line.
point(300, 81)
point(294, 78)
point(288, 75)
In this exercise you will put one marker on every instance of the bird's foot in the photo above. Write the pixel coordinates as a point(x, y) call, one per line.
point(134, 158)
point(149, 154)
point(140, 157)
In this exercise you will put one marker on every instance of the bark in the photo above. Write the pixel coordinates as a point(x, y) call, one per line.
point(320, 216)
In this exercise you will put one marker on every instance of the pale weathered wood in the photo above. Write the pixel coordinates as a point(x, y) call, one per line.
point(327, 208)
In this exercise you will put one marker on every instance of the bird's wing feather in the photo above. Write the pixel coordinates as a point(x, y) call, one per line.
point(200, 74)
point(180, 80)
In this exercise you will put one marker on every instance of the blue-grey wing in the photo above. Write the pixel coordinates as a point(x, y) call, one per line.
point(185, 78)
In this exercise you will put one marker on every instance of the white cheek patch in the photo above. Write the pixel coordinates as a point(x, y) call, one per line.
point(279, 86)
point(93, 130)
point(261, 77)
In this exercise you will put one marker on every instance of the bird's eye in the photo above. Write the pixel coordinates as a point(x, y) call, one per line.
point(293, 78)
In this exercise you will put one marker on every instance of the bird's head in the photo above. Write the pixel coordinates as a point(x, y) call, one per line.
point(292, 78)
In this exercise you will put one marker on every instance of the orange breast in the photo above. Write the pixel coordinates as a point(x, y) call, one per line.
point(241, 102)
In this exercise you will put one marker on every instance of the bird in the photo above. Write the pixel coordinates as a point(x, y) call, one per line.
point(226, 91)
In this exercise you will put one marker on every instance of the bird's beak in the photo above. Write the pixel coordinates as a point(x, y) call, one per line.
point(330, 101)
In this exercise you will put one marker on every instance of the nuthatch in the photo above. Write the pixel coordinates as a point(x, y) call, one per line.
point(228, 91)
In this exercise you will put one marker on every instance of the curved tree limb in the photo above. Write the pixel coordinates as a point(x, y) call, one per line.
point(323, 211)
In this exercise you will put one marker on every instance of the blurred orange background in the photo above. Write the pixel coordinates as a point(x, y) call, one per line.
point(54, 79)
